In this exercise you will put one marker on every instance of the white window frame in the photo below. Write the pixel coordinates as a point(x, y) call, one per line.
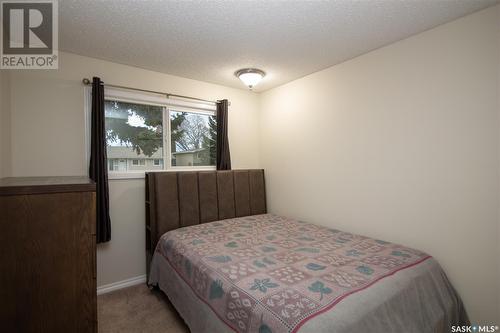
point(168, 105)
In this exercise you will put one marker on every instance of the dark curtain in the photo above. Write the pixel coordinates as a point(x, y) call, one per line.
point(223, 155)
point(98, 171)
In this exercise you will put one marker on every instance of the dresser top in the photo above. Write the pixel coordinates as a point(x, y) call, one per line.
point(39, 185)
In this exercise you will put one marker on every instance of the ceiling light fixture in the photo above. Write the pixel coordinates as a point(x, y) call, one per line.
point(250, 76)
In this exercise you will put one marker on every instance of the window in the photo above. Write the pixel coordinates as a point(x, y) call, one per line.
point(117, 165)
point(143, 135)
point(139, 162)
point(192, 139)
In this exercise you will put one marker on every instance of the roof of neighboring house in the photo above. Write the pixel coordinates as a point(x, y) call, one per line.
point(128, 152)
point(188, 151)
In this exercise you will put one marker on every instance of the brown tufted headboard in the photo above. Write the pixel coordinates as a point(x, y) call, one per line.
point(180, 199)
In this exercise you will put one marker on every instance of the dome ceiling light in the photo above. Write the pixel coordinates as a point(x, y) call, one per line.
point(250, 76)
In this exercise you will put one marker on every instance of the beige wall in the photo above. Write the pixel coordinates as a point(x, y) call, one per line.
point(5, 158)
point(400, 144)
point(48, 138)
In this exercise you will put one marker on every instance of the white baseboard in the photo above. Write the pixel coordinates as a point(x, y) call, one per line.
point(107, 288)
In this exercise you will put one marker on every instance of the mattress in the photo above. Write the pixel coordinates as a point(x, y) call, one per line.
point(269, 274)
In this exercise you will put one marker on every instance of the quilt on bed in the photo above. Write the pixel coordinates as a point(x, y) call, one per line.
point(267, 273)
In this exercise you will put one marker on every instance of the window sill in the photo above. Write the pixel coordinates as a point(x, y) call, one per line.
point(126, 175)
point(142, 174)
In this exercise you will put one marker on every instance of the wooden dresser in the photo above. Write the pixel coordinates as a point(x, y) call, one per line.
point(47, 260)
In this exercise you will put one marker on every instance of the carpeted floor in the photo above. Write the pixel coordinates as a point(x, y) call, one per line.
point(138, 309)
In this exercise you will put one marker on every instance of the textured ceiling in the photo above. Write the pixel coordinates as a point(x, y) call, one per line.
point(209, 41)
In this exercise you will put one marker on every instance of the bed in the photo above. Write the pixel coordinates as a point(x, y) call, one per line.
point(226, 265)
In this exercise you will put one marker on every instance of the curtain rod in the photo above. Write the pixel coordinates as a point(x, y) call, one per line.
point(87, 82)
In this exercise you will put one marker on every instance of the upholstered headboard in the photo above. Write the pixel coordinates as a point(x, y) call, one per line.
point(180, 199)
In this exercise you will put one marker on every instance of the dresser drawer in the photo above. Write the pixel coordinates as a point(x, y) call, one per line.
point(48, 265)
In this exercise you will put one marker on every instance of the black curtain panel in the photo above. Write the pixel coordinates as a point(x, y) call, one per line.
point(223, 155)
point(98, 171)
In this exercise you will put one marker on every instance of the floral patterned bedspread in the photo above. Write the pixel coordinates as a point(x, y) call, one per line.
point(266, 273)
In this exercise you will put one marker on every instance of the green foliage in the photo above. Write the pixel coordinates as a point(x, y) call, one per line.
point(176, 132)
point(147, 139)
point(210, 140)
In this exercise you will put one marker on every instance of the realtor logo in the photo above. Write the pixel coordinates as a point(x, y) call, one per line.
point(29, 35)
